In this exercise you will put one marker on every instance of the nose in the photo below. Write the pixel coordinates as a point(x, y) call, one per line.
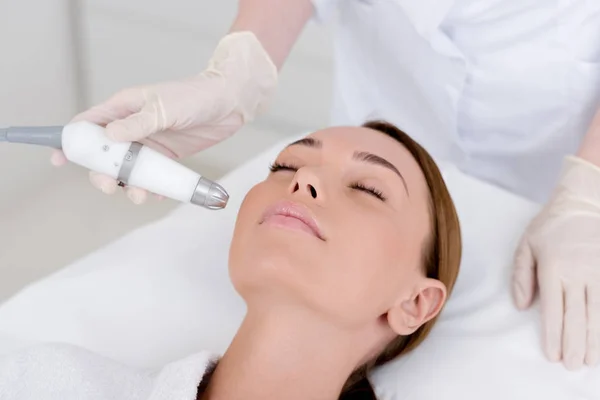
point(307, 183)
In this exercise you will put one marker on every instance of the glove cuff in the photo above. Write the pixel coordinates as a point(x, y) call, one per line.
point(249, 71)
point(580, 179)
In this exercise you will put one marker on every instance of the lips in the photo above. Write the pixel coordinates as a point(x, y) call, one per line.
point(291, 215)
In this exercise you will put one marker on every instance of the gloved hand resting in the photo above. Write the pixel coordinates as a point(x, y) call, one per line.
point(560, 252)
point(183, 117)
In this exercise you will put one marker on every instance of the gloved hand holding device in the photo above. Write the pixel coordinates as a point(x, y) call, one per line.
point(183, 117)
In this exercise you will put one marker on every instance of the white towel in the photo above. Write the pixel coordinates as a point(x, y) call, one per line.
point(65, 372)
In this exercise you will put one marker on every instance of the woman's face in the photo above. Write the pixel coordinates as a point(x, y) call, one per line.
point(338, 228)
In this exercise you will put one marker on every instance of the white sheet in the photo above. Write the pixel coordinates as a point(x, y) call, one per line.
point(146, 300)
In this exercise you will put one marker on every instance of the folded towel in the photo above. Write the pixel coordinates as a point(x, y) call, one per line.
point(65, 372)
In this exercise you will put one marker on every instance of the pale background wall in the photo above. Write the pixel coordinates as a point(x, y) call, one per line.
point(60, 56)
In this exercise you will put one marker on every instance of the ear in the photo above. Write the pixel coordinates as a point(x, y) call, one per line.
point(410, 314)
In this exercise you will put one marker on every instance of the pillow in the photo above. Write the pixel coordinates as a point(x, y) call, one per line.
point(163, 292)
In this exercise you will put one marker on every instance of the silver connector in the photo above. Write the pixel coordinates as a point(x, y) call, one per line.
point(210, 195)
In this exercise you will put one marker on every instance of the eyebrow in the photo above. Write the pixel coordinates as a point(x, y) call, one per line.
point(359, 155)
point(308, 142)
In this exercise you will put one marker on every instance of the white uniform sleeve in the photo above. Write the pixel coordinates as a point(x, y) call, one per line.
point(325, 9)
point(426, 15)
point(64, 372)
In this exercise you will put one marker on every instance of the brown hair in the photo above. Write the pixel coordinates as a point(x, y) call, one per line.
point(441, 258)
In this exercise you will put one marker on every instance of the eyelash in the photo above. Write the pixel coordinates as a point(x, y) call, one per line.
point(282, 167)
point(357, 185)
point(369, 189)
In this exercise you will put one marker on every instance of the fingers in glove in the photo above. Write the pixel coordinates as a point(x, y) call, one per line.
point(592, 355)
point(121, 105)
point(524, 276)
point(552, 307)
point(136, 126)
point(97, 115)
point(58, 158)
point(136, 195)
point(575, 327)
point(103, 182)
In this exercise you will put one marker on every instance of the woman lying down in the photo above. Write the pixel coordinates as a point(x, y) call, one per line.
point(345, 254)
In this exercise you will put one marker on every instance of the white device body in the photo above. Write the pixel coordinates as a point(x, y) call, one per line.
point(86, 144)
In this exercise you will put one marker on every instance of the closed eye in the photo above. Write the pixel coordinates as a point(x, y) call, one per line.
point(369, 189)
point(276, 166)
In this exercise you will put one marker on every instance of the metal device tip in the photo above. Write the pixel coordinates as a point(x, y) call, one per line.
point(217, 197)
point(3, 134)
point(210, 195)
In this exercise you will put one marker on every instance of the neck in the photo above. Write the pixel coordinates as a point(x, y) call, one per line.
point(285, 355)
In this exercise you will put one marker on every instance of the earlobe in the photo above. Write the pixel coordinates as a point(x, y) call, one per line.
point(410, 314)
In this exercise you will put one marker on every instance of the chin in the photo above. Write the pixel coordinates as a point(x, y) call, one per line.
point(279, 269)
point(276, 266)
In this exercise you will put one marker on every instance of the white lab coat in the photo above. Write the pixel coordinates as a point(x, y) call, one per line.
point(64, 372)
point(501, 88)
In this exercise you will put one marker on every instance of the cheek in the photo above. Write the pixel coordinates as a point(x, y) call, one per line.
point(248, 217)
point(372, 262)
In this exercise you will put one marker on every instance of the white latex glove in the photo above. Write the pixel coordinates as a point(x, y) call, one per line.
point(183, 117)
point(560, 254)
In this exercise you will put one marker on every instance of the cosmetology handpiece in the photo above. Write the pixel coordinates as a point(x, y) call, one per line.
point(130, 163)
